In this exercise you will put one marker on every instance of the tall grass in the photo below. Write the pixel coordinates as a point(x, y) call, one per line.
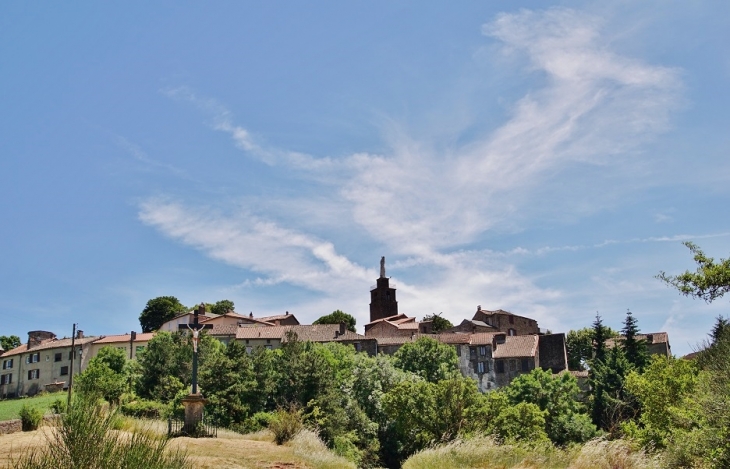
point(85, 438)
point(314, 452)
point(484, 453)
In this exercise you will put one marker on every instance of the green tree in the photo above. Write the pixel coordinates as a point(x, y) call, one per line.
point(105, 376)
point(222, 307)
point(709, 282)
point(557, 397)
point(635, 349)
point(337, 317)
point(662, 391)
point(611, 404)
point(158, 311)
point(428, 358)
point(600, 334)
point(439, 323)
point(229, 383)
point(9, 342)
point(579, 346)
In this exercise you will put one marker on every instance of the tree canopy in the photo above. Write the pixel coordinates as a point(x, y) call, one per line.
point(439, 323)
point(222, 307)
point(709, 282)
point(158, 311)
point(428, 358)
point(337, 317)
point(9, 342)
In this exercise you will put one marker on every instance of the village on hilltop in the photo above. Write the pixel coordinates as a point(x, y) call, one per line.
point(493, 347)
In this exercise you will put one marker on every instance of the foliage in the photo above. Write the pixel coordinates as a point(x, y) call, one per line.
point(285, 424)
point(10, 408)
point(85, 438)
point(579, 346)
point(30, 417)
point(611, 403)
point(159, 310)
point(229, 381)
point(600, 334)
point(59, 406)
point(165, 366)
point(222, 307)
point(557, 397)
point(105, 376)
point(337, 317)
point(709, 282)
point(428, 358)
point(9, 342)
point(143, 408)
point(438, 322)
point(662, 391)
point(424, 413)
point(635, 349)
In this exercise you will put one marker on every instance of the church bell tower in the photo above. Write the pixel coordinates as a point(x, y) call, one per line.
point(382, 297)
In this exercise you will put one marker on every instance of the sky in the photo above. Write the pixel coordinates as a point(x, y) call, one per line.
point(548, 159)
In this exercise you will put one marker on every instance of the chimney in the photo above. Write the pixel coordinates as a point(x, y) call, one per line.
point(287, 313)
point(343, 328)
point(134, 336)
point(479, 308)
point(250, 314)
point(79, 334)
point(337, 334)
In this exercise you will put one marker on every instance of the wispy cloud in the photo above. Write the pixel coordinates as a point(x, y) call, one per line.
point(140, 155)
point(590, 107)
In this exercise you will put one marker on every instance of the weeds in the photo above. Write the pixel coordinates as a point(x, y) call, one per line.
point(30, 417)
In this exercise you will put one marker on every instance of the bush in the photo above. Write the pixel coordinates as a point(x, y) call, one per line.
point(143, 408)
point(30, 417)
point(285, 424)
point(59, 406)
point(254, 423)
point(85, 439)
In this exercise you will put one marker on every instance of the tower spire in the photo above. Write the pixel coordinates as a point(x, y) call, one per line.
point(382, 267)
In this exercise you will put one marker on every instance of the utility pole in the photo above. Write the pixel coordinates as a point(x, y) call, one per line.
point(71, 368)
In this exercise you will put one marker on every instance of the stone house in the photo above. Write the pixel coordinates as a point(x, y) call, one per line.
point(43, 363)
point(286, 319)
point(398, 325)
point(182, 320)
point(657, 343)
point(504, 321)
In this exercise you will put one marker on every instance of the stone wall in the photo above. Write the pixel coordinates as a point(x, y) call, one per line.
point(10, 426)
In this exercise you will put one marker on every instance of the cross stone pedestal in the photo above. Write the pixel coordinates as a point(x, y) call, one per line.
point(194, 405)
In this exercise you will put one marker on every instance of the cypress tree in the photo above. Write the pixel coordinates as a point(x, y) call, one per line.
point(634, 348)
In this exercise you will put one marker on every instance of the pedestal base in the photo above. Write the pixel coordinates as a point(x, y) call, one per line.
point(194, 405)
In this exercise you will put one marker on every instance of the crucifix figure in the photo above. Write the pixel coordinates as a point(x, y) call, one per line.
point(196, 338)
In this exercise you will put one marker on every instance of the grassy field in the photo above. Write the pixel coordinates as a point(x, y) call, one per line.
point(9, 408)
point(230, 450)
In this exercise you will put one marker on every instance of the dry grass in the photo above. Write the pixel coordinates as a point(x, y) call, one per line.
point(484, 453)
point(230, 449)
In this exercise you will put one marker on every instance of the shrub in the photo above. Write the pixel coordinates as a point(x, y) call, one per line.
point(285, 424)
point(30, 417)
point(254, 423)
point(143, 408)
point(85, 439)
point(59, 406)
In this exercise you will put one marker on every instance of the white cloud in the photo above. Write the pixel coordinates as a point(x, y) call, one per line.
point(421, 204)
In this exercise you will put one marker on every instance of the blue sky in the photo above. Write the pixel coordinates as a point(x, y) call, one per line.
point(546, 160)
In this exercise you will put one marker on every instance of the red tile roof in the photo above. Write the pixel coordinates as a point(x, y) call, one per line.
point(113, 339)
point(517, 346)
point(313, 333)
point(47, 345)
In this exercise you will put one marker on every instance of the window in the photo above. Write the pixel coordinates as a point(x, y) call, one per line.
point(268, 341)
point(58, 357)
point(249, 349)
point(7, 364)
point(358, 347)
point(64, 370)
point(473, 351)
point(71, 355)
point(458, 350)
point(6, 379)
point(511, 332)
point(482, 350)
point(246, 341)
point(525, 365)
point(33, 358)
point(500, 366)
point(512, 365)
point(480, 367)
point(34, 374)
point(269, 347)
